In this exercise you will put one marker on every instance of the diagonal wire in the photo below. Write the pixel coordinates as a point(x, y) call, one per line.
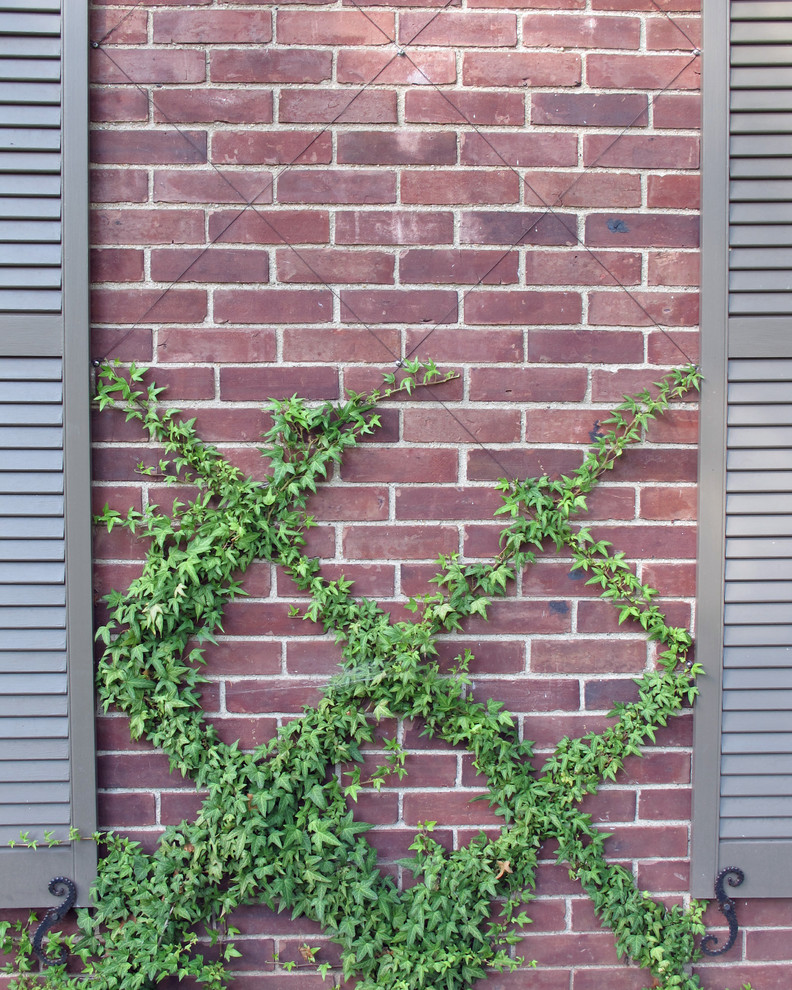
point(676, 24)
point(549, 208)
point(115, 27)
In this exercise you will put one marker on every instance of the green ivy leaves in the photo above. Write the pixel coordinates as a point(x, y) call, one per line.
point(275, 826)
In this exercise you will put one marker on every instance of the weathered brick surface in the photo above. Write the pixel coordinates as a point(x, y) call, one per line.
point(514, 197)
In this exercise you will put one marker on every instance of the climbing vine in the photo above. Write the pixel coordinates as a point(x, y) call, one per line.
point(275, 827)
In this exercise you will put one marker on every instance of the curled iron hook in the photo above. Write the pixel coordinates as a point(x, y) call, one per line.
point(60, 887)
point(735, 877)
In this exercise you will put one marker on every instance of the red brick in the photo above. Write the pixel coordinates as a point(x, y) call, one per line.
point(657, 465)
point(131, 306)
point(462, 425)
point(548, 979)
point(137, 67)
point(460, 186)
point(138, 770)
point(243, 656)
point(338, 346)
point(401, 147)
point(587, 656)
point(364, 378)
point(313, 656)
point(681, 192)
point(271, 147)
point(112, 30)
point(212, 27)
point(117, 265)
point(613, 979)
point(213, 105)
point(185, 383)
point(116, 185)
point(398, 306)
point(250, 384)
point(608, 805)
point(651, 541)
point(335, 27)
point(294, 65)
point(665, 875)
point(484, 306)
point(669, 346)
point(118, 104)
point(126, 809)
point(445, 503)
point(524, 69)
point(471, 346)
point(430, 466)
point(584, 346)
point(528, 384)
point(393, 227)
point(458, 808)
point(586, 189)
point(677, 110)
point(580, 31)
point(172, 186)
point(611, 385)
point(643, 71)
point(397, 542)
point(334, 265)
point(536, 693)
point(351, 503)
point(668, 503)
point(458, 29)
point(148, 147)
point(531, 4)
point(665, 805)
point(209, 264)
point(421, 68)
point(272, 694)
point(567, 950)
point(562, 425)
point(457, 107)
point(337, 186)
point(330, 106)
point(582, 268)
point(518, 150)
point(513, 228)
point(234, 425)
point(653, 230)
point(648, 151)
point(259, 226)
point(227, 345)
point(589, 110)
point(649, 841)
point(674, 268)
point(375, 808)
point(372, 580)
point(126, 345)
point(764, 976)
point(458, 266)
point(673, 33)
point(643, 309)
point(680, 577)
point(272, 306)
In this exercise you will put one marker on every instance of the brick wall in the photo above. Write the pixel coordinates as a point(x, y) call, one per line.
point(400, 160)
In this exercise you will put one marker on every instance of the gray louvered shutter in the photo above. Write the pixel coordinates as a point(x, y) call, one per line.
point(47, 780)
point(743, 758)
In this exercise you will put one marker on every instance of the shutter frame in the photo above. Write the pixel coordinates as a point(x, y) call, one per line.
point(727, 765)
point(25, 874)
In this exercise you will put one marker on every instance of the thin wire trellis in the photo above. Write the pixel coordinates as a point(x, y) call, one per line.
point(401, 51)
